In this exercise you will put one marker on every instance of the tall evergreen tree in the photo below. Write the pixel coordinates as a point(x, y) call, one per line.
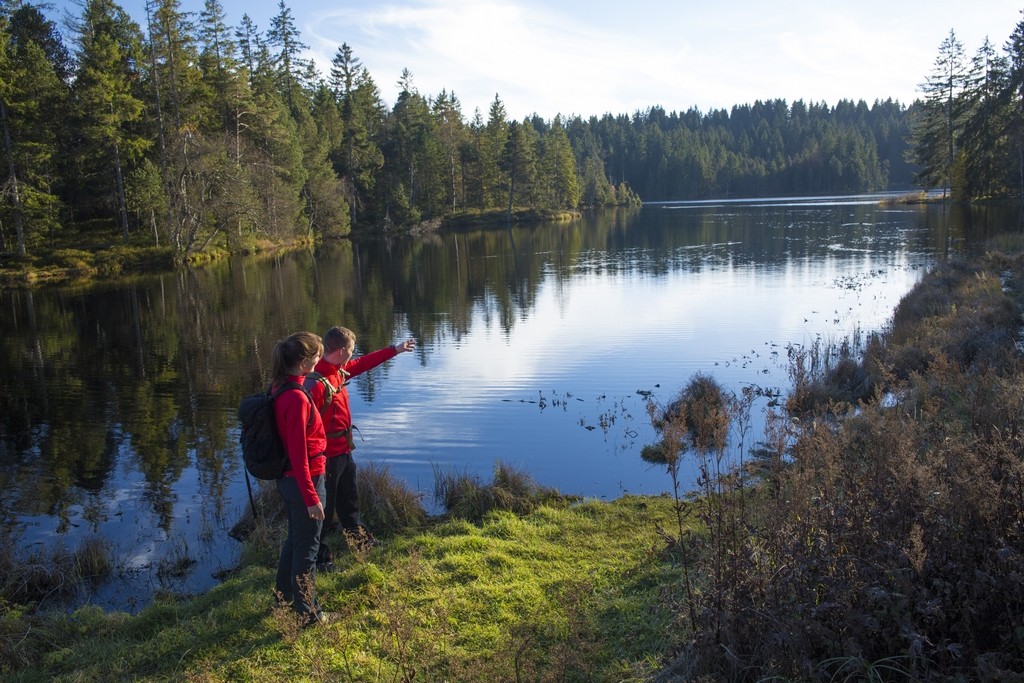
point(362, 114)
point(409, 170)
point(218, 61)
point(250, 45)
point(1014, 50)
point(226, 76)
point(175, 60)
point(107, 107)
point(32, 92)
point(325, 207)
point(183, 107)
point(519, 162)
point(985, 123)
point(471, 159)
point(492, 143)
point(938, 125)
point(558, 169)
point(447, 112)
point(272, 159)
point(289, 64)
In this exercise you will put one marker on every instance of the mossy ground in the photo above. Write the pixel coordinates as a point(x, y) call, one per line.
point(101, 254)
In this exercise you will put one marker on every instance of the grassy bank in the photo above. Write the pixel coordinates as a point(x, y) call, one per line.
point(565, 591)
point(100, 254)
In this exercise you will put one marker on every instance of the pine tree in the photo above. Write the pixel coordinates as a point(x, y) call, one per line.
point(492, 143)
point(985, 116)
point(272, 160)
point(323, 193)
point(407, 154)
point(218, 62)
point(447, 112)
point(938, 122)
point(289, 65)
point(362, 113)
point(558, 169)
point(1014, 49)
point(519, 163)
point(108, 110)
point(174, 59)
point(471, 160)
point(32, 92)
point(250, 46)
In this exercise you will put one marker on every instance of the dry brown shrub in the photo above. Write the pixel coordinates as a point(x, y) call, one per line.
point(889, 541)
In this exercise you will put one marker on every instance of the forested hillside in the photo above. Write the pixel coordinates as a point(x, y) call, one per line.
point(189, 131)
point(768, 148)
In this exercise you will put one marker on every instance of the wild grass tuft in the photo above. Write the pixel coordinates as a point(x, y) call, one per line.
point(52, 574)
point(388, 504)
point(262, 509)
point(465, 496)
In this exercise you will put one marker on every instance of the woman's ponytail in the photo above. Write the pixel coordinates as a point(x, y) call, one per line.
point(291, 351)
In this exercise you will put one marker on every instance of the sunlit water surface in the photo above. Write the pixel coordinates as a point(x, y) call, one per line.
point(536, 347)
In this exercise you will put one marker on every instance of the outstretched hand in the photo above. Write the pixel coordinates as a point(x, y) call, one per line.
point(407, 345)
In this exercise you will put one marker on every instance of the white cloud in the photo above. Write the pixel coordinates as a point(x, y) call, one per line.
point(534, 59)
point(588, 58)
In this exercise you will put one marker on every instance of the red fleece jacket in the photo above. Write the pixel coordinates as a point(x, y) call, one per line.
point(303, 439)
point(336, 416)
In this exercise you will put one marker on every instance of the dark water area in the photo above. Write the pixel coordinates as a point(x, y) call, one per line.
point(118, 401)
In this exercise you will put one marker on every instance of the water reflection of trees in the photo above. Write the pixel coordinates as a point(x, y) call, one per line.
point(145, 374)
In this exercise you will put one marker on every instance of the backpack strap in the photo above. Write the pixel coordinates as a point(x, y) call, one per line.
point(329, 389)
point(288, 386)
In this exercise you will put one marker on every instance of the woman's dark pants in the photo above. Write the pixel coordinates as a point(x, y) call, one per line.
point(296, 568)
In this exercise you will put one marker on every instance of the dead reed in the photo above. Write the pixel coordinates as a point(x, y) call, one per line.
point(52, 574)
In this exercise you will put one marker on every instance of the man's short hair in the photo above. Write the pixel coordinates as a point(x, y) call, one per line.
point(338, 338)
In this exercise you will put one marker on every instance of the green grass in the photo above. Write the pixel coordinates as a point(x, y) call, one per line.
point(567, 592)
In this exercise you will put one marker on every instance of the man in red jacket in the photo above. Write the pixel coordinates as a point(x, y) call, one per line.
point(326, 385)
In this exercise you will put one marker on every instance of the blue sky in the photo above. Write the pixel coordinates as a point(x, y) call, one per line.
point(596, 56)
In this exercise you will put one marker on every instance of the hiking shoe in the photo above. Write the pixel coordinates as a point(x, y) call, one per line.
point(325, 567)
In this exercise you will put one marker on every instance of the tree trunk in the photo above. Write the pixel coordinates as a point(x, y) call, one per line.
point(122, 204)
point(156, 234)
point(19, 229)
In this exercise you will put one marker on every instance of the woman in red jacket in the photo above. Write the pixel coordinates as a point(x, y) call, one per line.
point(302, 486)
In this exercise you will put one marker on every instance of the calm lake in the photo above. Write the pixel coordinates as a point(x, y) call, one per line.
point(118, 401)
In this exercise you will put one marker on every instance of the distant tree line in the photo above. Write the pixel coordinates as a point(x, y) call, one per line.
point(188, 133)
point(768, 148)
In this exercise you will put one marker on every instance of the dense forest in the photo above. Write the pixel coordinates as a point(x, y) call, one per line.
point(187, 133)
